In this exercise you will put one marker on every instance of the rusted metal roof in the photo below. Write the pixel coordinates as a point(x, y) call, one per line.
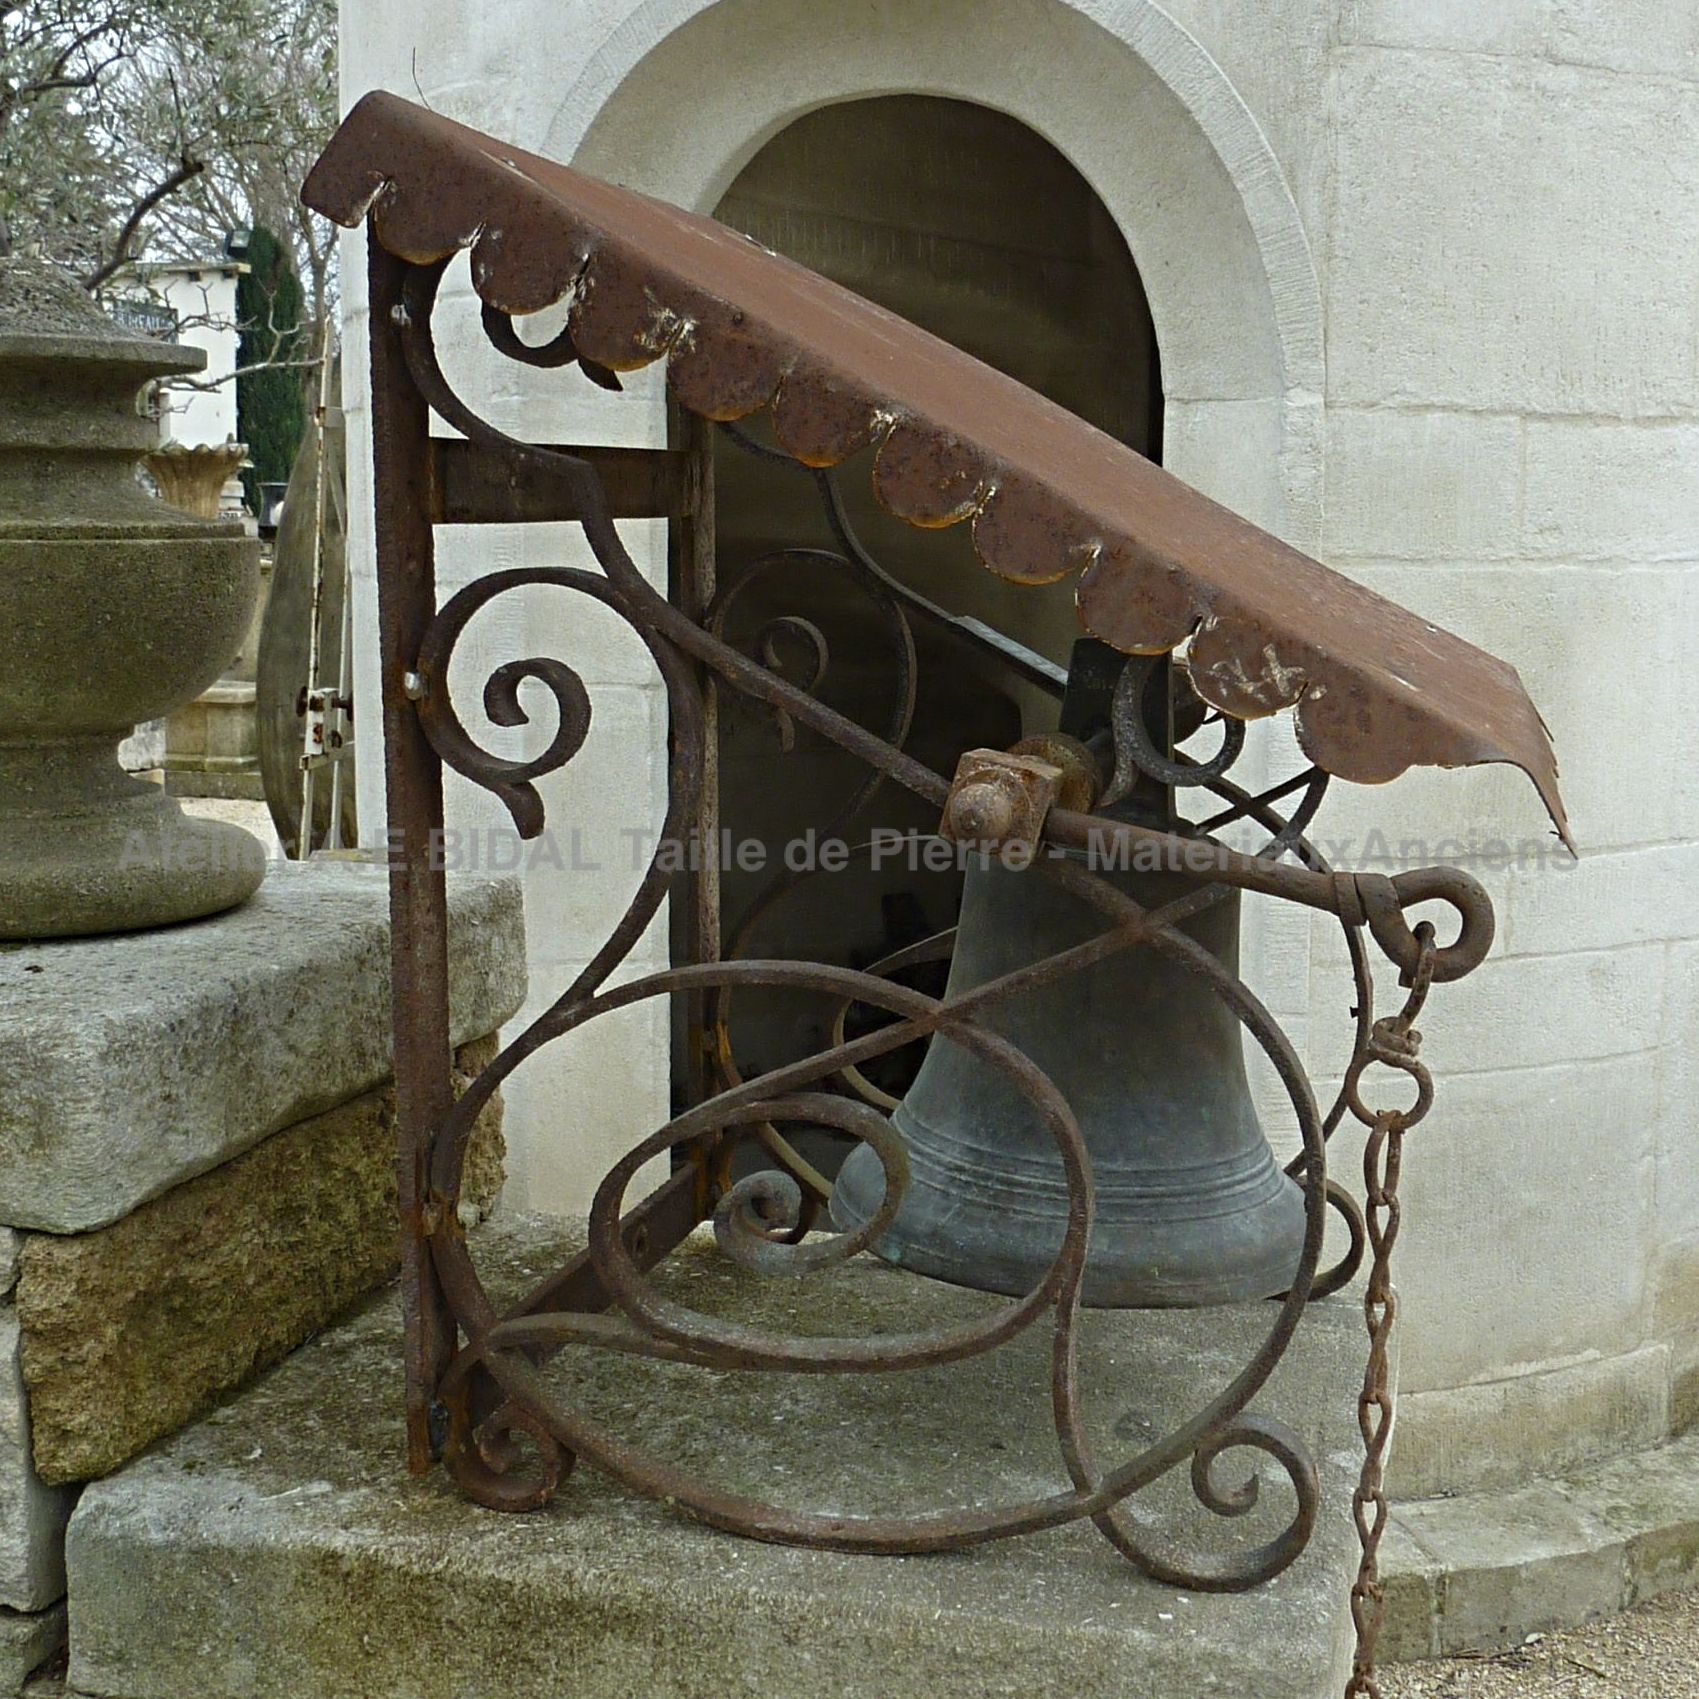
point(1376, 689)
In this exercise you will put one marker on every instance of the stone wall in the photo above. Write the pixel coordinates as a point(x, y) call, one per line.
point(130, 1331)
point(114, 1339)
point(1422, 278)
point(32, 1514)
point(197, 1173)
point(1513, 414)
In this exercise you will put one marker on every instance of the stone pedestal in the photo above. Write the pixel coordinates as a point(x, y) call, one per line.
point(283, 1532)
point(197, 1173)
point(212, 746)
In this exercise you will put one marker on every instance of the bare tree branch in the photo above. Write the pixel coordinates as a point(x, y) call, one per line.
point(57, 76)
point(207, 385)
point(186, 169)
point(101, 102)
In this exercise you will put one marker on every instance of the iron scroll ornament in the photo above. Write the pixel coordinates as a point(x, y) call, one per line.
point(490, 1394)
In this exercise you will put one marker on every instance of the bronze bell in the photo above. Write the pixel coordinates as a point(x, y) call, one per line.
point(1191, 1207)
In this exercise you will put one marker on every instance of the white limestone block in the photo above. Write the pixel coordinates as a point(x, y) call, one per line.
point(1607, 898)
point(1499, 242)
point(605, 811)
point(1529, 1212)
point(1592, 1005)
point(1650, 38)
point(1231, 451)
point(1612, 490)
point(549, 407)
point(1655, 38)
point(581, 1102)
point(1678, 1119)
point(544, 620)
point(1423, 485)
point(1495, 1433)
point(1603, 651)
point(1463, 26)
point(480, 65)
point(32, 1516)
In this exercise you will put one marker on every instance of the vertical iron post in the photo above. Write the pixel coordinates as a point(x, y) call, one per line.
point(406, 580)
point(694, 583)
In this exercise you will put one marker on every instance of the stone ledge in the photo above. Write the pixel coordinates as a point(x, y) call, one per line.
point(1482, 1571)
point(1490, 1438)
point(135, 1062)
point(283, 1533)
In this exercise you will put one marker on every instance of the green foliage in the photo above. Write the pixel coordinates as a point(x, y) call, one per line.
point(271, 415)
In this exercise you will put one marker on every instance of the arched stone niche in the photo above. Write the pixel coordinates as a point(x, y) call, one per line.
point(966, 221)
point(683, 93)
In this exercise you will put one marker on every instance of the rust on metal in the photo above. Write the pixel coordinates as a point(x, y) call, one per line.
point(999, 801)
point(418, 899)
point(490, 1404)
point(1376, 689)
point(470, 487)
point(1081, 780)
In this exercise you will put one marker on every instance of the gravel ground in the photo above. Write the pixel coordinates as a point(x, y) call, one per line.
point(255, 816)
point(1651, 1652)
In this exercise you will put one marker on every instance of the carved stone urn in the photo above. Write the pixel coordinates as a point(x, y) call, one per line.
point(115, 609)
point(193, 476)
point(212, 744)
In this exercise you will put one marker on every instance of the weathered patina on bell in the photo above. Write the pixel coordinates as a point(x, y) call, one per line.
point(1191, 1206)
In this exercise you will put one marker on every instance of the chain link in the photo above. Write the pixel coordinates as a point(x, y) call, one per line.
point(1394, 1042)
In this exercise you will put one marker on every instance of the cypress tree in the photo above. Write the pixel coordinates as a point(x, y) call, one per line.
point(271, 414)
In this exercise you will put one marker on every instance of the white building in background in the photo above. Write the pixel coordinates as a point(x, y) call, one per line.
point(194, 303)
point(1421, 282)
point(191, 302)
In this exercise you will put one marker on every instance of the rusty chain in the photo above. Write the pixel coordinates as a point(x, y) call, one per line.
point(1393, 1042)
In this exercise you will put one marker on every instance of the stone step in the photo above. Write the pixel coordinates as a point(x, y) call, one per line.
point(278, 1550)
point(1482, 1571)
